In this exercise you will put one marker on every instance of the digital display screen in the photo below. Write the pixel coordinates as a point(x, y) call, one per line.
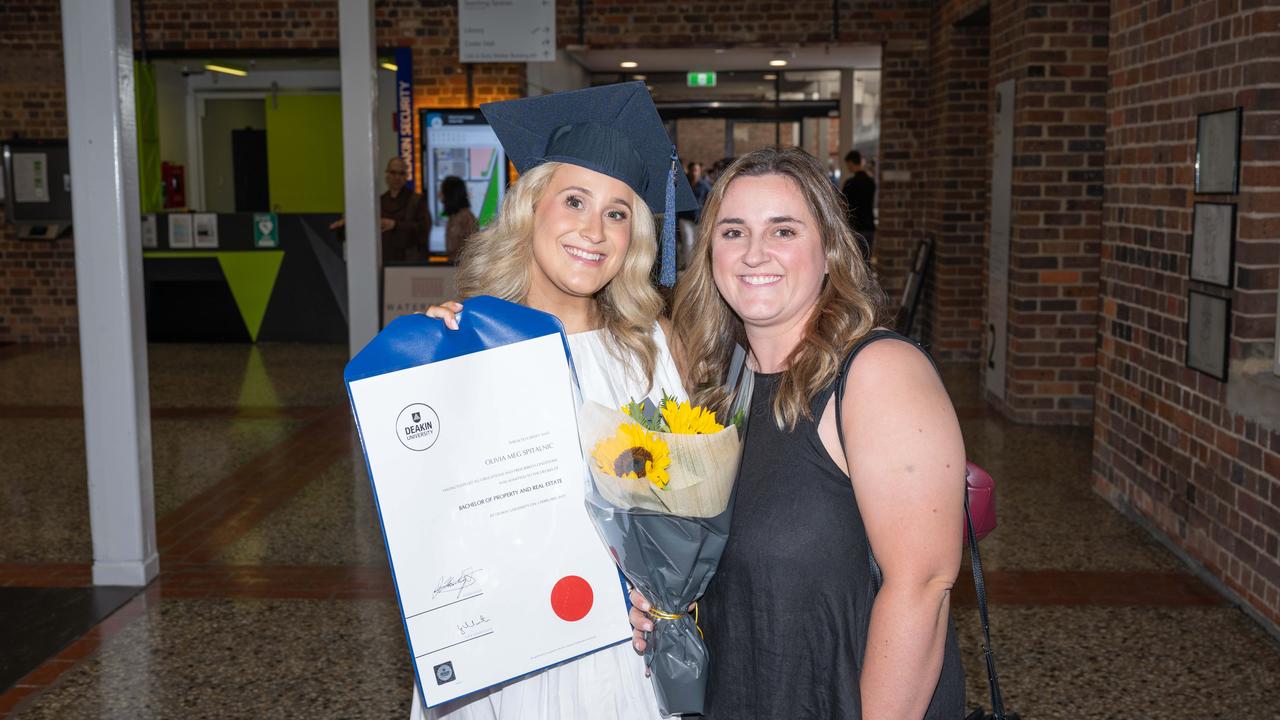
point(461, 143)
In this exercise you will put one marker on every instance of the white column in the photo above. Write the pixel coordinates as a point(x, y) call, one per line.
point(360, 171)
point(98, 55)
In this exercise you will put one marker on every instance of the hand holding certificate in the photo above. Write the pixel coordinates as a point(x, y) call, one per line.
point(472, 446)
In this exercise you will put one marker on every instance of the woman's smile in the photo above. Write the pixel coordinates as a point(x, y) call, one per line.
point(585, 256)
point(760, 280)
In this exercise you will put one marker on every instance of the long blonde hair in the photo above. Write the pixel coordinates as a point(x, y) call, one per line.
point(849, 305)
point(498, 261)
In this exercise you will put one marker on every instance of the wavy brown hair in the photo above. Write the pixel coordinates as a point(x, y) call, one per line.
point(849, 305)
point(498, 261)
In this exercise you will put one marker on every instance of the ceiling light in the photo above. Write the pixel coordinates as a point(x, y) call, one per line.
point(390, 66)
point(778, 62)
point(770, 76)
point(629, 64)
point(715, 104)
point(226, 70)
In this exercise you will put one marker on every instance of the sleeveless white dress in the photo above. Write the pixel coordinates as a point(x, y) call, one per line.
point(605, 685)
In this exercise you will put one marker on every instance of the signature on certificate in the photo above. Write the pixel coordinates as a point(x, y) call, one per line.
point(456, 585)
point(469, 627)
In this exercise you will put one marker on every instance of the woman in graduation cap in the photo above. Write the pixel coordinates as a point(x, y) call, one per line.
point(576, 238)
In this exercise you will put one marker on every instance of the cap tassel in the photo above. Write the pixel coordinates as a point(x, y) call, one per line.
point(667, 275)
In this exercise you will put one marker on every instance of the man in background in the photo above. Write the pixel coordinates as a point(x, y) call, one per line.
point(405, 219)
point(860, 195)
point(700, 183)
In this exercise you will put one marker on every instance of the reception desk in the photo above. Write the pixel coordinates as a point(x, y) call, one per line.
point(295, 291)
point(413, 288)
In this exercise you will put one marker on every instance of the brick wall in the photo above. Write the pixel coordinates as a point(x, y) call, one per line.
point(37, 279)
point(904, 98)
point(1057, 52)
point(1168, 444)
point(700, 140)
point(958, 175)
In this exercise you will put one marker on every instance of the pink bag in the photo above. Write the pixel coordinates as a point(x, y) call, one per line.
point(981, 500)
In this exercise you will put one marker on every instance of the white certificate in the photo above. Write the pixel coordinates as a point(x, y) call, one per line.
point(478, 477)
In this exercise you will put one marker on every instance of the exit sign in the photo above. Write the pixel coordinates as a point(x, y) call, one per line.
point(702, 79)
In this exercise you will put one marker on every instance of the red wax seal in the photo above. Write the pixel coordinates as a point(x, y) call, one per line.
point(571, 598)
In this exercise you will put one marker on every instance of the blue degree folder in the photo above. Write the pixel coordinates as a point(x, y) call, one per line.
point(413, 340)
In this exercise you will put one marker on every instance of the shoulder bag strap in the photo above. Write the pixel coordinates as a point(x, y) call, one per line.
point(993, 679)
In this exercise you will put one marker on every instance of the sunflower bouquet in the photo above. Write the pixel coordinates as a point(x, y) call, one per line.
point(660, 492)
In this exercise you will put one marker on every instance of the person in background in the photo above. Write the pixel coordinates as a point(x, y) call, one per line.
point(405, 218)
point(860, 196)
point(699, 182)
point(457, 207)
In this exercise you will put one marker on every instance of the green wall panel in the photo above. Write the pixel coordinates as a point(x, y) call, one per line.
point(150, 184)
point(304, 153)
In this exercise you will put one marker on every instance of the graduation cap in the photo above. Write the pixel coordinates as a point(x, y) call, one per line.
point(611, 129)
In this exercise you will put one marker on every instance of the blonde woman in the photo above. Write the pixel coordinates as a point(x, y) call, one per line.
point(575, 238)
point(832, 598)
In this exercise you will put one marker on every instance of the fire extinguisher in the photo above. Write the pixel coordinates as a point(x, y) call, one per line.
point(175, 193)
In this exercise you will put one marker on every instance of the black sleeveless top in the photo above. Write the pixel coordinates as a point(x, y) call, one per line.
point(787, 613)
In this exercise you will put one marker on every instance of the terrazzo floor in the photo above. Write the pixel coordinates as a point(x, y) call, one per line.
point(274, 599)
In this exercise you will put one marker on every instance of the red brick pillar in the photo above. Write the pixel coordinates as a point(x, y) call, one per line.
point(1057, 53)
point(957, 178)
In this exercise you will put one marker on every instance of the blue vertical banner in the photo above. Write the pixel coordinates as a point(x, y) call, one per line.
point(404, 109)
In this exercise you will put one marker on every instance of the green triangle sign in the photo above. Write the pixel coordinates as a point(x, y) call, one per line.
point(252, 277)
point(489, 208)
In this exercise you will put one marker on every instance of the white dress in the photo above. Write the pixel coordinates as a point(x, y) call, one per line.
point(605, 685)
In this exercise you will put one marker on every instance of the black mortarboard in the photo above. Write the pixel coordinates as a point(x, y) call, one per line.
point(612, 129)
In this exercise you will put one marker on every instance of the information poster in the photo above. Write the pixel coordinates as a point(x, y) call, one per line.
point(150, 233)
point(31, 177)
point(206, 230)
point(506, 31)
point(461, 143)
point(180, 230)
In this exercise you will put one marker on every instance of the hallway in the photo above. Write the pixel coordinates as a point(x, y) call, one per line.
point(274, 599)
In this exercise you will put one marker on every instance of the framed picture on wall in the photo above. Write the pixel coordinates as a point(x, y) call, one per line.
point(1208, 333)
point(1218, 152)
point(1213, 243)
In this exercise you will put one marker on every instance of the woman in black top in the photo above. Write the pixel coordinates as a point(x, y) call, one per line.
point(798, 623)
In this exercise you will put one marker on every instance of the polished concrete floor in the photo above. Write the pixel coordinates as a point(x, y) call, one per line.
point(274, 599)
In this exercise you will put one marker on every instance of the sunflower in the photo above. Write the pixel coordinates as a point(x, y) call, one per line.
point(685, 419)
point(633, 453)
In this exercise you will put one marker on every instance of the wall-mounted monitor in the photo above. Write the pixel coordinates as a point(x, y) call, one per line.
point(37, 187)
point(460, 142)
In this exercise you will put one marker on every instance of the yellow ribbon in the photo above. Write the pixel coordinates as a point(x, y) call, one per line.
point(657, 614)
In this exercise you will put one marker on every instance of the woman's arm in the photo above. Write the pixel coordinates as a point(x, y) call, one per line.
point(905, 457)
